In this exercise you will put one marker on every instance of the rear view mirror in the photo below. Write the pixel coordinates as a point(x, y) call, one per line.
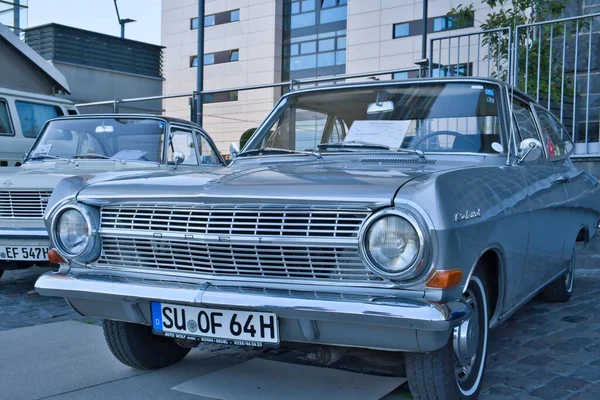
point(380, 107)
point(105, 129)
point(529, 150)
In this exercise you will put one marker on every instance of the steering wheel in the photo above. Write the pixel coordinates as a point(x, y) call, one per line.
point(440, 133)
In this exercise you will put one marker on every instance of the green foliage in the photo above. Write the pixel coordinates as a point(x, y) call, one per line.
point(538, 47)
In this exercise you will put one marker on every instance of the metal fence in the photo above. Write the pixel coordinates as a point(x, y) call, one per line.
point(556, 62)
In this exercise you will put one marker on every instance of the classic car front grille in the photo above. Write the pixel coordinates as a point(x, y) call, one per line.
point(23, 204)
point(261, 222)
point(236, 242)
point(270, 261)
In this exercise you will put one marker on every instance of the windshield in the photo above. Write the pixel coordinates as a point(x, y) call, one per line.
point(426, 117)
point(102, 138)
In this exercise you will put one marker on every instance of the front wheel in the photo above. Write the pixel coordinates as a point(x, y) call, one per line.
point(455, 371)
point(135, 346)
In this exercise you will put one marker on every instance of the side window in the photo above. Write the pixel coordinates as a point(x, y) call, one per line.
point(525, 120)
point(208, 154)
point(33, 116)
point(554, 136)
point(5, 124)
point(183, 141)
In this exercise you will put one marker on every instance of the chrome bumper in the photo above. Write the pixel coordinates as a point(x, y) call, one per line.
point(104, 296)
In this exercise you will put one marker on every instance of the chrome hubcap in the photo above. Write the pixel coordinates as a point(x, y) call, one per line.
point(466, 339)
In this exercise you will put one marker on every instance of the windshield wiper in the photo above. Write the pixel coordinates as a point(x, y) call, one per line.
point(44, 157)
point(273, 150)
point(91, 155)
point(413, 151)
point(353, 144)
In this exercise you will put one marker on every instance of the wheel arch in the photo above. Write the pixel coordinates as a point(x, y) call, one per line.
point(492, 262)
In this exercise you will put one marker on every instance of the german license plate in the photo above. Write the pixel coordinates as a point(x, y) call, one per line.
point(24, 253)
point(240, 328)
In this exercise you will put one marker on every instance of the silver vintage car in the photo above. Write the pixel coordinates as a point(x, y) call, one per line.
point(410, 217)
point(90, 145)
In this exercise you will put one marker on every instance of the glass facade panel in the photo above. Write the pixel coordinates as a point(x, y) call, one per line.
point(209, 20)
point(302, 20)
point(333, 15)
point(208, 59)
point(314, 38)
point(235, 15)
point(326, 59)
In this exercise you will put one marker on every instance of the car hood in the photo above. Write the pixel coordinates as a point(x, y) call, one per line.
point(349, 183)
point(45, 175)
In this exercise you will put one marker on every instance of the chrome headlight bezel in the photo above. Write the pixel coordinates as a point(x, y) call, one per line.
point(91, 251)
point(421, 261)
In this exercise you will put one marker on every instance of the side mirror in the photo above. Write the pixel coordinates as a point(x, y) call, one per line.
point(234, 150)
point(178, 158)
point(529, 150)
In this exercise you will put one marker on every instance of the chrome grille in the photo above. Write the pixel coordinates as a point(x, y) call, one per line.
point(260, 242)
point(268, 261)
point(338, 224)
point(23, 204)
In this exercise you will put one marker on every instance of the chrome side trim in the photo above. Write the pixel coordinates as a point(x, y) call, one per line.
point(382, 311)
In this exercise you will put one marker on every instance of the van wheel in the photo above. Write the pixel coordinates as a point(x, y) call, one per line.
point(135, 346)
point(455, 371)
point(561, 289)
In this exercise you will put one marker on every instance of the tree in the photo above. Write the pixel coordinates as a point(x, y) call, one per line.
point(537, 65)
point(246, 136)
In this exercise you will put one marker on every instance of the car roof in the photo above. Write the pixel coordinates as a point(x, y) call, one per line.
point(387, 82)
point(170, 120)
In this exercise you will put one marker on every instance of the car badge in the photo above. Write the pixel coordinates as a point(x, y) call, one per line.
point(7, 183)
point(463, 216)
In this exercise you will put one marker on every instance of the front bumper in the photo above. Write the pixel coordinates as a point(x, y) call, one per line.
point(385, 323)
point(24, 233)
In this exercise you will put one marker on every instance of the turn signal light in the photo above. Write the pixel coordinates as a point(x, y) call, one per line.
point(445, 279)
point(55, 258)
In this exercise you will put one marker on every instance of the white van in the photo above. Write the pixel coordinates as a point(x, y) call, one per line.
point(22, 116)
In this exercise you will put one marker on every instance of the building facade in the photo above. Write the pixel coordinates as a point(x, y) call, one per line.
point(251, 42)
point(100, 67)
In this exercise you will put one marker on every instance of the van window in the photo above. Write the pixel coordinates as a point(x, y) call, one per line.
point(33, 116)
point(5, 125)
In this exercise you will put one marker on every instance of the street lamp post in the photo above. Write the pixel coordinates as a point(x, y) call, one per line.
point(200, 63)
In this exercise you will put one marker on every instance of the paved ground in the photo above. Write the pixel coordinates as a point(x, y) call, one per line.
point(545, 351)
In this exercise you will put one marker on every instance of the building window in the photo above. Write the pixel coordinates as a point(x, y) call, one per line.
point(217, 19)
point(220, 97)
point(401, 30)
point(219, 57)
point(405, 75)
point(450, 22)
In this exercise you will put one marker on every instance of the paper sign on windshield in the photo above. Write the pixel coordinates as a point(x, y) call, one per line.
point(42, 150)
point(387, 133)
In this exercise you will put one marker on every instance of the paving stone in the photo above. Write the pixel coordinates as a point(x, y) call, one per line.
point(536, 360)
point(550, 392)
point(569, 383)
point(588, 373)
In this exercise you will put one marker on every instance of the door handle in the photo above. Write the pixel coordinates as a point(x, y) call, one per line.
point(562, 179)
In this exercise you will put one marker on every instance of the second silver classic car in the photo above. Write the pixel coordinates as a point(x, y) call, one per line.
point(90, 145)
point(410, 217)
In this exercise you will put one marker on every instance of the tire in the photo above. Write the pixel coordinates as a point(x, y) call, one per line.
point(438, 374)
point(561, 289)
point(135, 346)
point(1, 272)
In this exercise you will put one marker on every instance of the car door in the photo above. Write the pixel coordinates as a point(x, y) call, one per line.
point(547, 200)
point(578, 184)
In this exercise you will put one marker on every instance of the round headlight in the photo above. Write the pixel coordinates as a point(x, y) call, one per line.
point(392, 244)
point(73, 232)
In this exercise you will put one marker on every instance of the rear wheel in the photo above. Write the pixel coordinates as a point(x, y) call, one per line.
point(135, 346)
point(561, 289)
point(455, 371)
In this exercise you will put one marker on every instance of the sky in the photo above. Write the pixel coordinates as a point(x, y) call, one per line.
point(100, 16)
